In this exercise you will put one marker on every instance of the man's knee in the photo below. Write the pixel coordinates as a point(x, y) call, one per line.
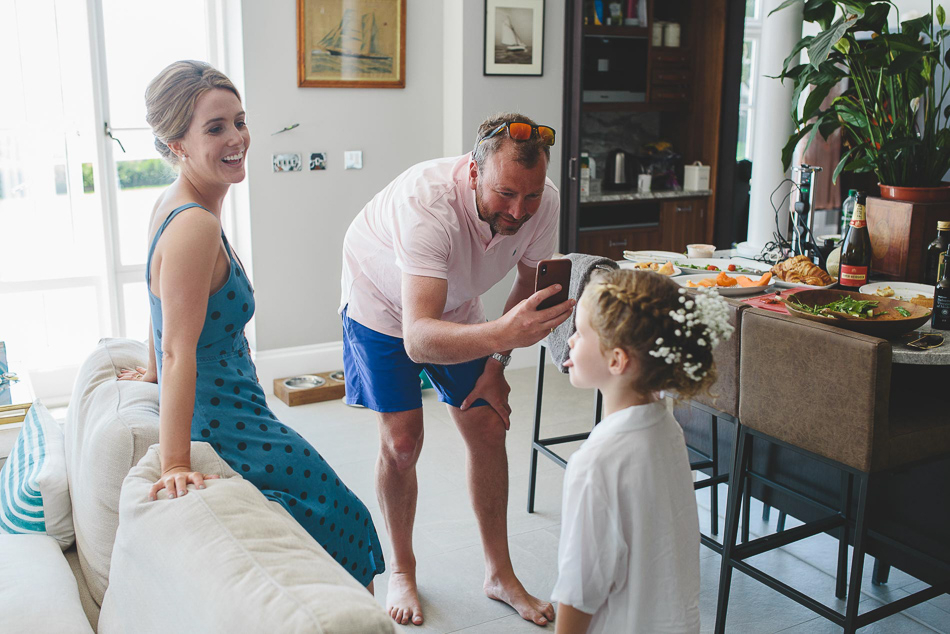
point(401, 442)
point(482, 426)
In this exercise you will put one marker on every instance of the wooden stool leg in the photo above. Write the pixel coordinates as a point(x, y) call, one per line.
point(714, 489)
point(533, 472)
point(857, 558)
point(847, 484)
point(736, 482)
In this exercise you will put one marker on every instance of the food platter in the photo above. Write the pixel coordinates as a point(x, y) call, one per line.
point(887, 324)
point(700, 264)
point(725, 291)
point(904, 291)
point(651, 256)
point(784, 284)
point(633, 266)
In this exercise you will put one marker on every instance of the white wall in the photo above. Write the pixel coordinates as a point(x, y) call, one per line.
point(298, 219)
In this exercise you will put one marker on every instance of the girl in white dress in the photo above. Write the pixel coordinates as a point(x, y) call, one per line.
point(628, 559)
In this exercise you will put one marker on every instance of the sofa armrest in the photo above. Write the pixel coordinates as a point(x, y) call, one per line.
point(224, 559)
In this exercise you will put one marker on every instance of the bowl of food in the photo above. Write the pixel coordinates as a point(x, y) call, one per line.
point(666, 268)
point(867, 314)
point(700, 250)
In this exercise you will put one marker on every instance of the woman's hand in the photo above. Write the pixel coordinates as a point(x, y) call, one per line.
point(138, 374)
point(176, 480)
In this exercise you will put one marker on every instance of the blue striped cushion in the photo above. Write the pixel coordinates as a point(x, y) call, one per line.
point(34, 494)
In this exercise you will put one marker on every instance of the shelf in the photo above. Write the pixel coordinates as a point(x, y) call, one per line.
point(628, 31)
point(635, 106)
point(632, 196)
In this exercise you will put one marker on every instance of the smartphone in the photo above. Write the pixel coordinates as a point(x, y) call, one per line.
point(552, 272)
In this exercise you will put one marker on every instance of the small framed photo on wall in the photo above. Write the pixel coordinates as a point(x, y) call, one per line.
point(514, 37)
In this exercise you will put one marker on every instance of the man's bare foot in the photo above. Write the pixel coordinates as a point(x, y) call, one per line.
point(402, 599)
point(513, 593)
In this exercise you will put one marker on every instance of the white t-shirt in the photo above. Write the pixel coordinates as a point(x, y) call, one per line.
point(629, 549)
point(425, 223)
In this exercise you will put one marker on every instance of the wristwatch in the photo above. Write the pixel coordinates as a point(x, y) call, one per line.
point(503, 359)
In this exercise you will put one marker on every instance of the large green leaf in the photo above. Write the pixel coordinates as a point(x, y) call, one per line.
point(784, 5)
point(842, 163)
point(815, 97)
point(874, 19)
point(821, 12)
point(789, 150)
point(855, 7)
point(852, 116)
point(793, 56)
point(893, 145)
point(906, 62)
point(916, 26)
point(823, 43)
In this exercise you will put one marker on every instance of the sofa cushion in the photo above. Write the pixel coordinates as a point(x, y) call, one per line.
point(241, 563)
point(34, 494)
point(38, 593)
point(109, 427)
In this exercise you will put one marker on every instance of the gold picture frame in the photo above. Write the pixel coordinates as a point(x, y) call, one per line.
point(351, 43)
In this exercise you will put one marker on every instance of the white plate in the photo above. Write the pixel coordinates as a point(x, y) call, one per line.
point(625, 264)
point(651, 256)
point(725, 291)
point(784, 284)
point(720, 262)
point(902, 290)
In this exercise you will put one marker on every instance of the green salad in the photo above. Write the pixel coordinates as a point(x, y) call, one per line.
point(845, 307)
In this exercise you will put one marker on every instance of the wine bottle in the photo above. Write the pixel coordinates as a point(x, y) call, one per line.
point(856, 248)
point(941, 315)
point(934, 270)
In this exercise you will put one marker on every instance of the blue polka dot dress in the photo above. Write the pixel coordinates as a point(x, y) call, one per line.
point(231, 414)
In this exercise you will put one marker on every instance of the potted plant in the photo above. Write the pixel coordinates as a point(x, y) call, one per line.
point(892, 115)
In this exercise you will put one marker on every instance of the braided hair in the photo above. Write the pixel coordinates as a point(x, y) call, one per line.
point(637, 311)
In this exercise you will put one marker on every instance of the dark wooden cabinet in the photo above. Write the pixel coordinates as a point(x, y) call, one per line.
point(612, 243)
point(684, 222)
point(683, 96)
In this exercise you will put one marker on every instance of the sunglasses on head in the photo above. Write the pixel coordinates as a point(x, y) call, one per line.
point(523, 131)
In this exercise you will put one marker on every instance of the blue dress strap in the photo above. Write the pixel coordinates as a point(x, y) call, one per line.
point(158, 234)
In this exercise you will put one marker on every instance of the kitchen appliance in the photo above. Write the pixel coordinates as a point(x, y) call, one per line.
point(620, 171)
point(615, 68)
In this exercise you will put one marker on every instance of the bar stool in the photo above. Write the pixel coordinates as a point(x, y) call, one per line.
point(787, 402)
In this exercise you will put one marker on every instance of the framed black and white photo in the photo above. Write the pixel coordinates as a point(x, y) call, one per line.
point(514, 37)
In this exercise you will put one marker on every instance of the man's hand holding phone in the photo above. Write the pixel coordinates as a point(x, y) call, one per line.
point(534, 318)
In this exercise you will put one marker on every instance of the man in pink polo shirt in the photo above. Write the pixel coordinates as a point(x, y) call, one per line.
point(415, 261)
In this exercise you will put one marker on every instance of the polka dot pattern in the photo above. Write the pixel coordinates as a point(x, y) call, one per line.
point(232, 415)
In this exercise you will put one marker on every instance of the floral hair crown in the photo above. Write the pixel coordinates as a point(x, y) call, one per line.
point(708, 315)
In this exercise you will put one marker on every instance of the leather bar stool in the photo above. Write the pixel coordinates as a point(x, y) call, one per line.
point(700, 421)
point(829, 397)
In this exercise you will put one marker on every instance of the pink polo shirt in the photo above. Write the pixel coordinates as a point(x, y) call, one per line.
point(425, 223)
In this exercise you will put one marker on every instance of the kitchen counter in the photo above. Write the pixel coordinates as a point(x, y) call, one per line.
point(597, 195)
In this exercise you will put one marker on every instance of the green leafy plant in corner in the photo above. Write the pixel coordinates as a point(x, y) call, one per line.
point(892, 115)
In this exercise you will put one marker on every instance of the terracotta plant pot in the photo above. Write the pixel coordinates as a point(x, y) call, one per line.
point(916, 194)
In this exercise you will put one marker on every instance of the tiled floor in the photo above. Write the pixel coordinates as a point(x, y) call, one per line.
point(449, 554)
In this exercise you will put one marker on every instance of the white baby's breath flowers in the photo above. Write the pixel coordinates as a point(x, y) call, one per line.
point(709, 315)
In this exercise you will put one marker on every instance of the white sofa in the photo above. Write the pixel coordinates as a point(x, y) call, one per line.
point(223, 559)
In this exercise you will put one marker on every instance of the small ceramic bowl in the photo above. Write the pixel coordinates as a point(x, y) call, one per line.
point(700, 250)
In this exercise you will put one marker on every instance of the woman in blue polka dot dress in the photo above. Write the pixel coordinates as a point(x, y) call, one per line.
point(200, 301)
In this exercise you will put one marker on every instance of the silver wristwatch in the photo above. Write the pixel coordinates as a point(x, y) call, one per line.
point(503, 359)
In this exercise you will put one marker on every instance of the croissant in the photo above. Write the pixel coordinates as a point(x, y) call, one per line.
point(801, 270)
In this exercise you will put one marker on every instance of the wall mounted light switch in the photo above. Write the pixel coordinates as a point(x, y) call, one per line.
point(353, 160)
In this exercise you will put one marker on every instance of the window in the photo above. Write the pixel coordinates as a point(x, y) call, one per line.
point(74, 206)
point(749, 78)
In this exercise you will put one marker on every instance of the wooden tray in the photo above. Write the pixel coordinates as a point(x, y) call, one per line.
point(888, 326)
point(332, 388)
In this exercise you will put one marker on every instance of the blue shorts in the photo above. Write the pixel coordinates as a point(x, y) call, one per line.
point(381, 376)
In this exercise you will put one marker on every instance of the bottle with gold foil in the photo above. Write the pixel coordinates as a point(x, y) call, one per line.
point(935, 253)
point(856, 249)
point(941, 314)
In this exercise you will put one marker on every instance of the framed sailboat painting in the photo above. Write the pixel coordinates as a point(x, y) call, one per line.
point(351, 43)
point(514, 37)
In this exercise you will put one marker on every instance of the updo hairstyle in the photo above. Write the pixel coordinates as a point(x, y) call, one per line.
point(632, 310)
point(170, 100)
